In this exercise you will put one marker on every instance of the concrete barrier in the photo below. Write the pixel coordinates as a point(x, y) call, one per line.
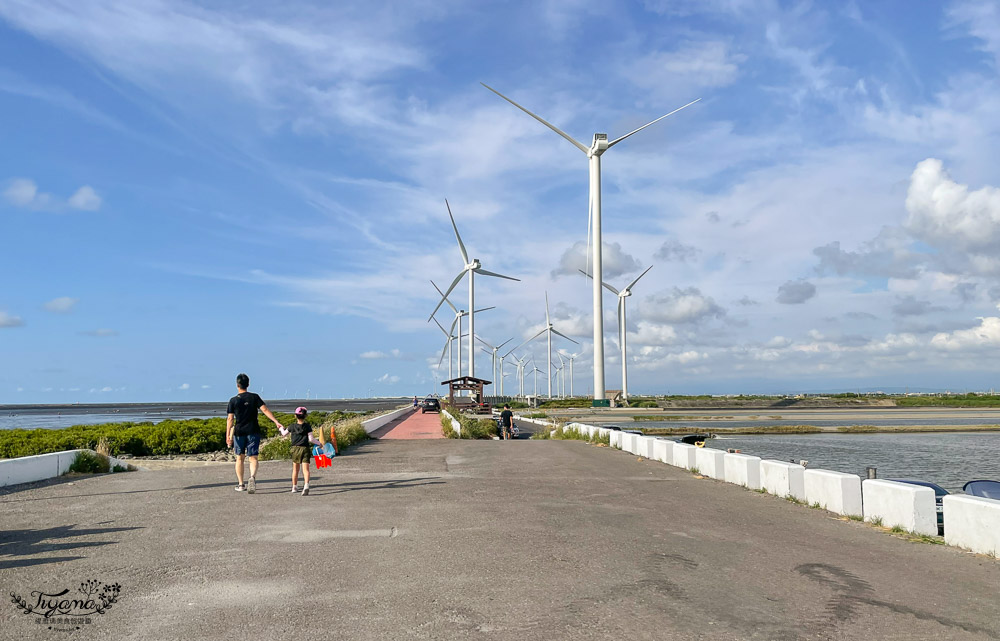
point(629, 442)
point(744, 470)
point(663, 451)
point(373, 424)
point(783, 479)
point(834, 491)
point(972, 522)
point(29, 469)
point(685, 456)
point(892, 504)
point(616, 439)
point(711, 462)
point(645, 446)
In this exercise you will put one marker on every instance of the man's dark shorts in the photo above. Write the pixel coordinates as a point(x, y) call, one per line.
point(249, 444)
point(301, 454)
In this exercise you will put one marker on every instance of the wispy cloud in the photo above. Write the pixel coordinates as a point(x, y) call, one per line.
point(61, 305)
point(99, 333)
point(9, 320)
point(24, 193)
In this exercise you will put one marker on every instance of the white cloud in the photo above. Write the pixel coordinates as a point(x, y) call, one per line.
point(387, 379)
point(206, 387)
point(24, 193)
point(691, 65)
point(86, 199)
point(9, 320)
point(616, 261)
point(987, 335)
point(681, 306)
point(378, 355)
point(100, 333)
point(61, 305)
point(184, 386)
point(107, 389)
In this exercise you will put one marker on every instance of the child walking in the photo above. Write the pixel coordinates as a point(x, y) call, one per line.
point(301, 446)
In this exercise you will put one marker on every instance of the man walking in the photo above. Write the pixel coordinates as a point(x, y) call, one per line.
point(506, 421)
point(243, 429)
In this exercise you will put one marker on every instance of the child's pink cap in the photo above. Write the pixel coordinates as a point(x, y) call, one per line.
point(301, 410)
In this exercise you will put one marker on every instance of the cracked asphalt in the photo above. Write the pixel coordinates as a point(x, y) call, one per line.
point(448, 539)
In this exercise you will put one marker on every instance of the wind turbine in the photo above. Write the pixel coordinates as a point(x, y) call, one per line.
point(599, 145)
point(459, 313)
point(472, 267)
point(447, 347)
point(535, 374)
point(622, 330)
point(561, 373)
point(550, 330)
point(493, 350)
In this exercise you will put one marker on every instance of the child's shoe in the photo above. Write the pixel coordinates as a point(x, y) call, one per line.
point(305, 490)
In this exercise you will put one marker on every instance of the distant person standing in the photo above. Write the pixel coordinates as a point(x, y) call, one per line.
point(506, 421)
point(243, 430)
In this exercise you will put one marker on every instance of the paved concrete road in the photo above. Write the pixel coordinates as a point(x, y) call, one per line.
point(449, 539)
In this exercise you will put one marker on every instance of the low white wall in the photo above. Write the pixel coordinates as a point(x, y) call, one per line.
point(29, 469)
point(629, 442)
point(908, 506)
point(616, 439)
point(645, 446)
point(685, 456)
point(972, 522)
point(455, 425)
point(834, 491)
point(376, 422)
point(663, 451)
point(783, 479)
point(744, 470)
point(711, 462)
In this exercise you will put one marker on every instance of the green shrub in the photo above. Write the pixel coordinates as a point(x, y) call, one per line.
point(478, 428)
point(536, 415)
point(90, 463)
point(446, 427)
point(276, 449)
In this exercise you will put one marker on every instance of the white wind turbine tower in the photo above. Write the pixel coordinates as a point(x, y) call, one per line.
point(472, 267)
point(534, 372)
point(570, 358)
point(622, 329)
point(550, 330)
point(449, 338)
point(561, 373)
point(599, 145)
point(459, 313)
point(493, 349)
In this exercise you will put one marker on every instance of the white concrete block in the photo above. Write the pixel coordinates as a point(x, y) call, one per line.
point(910, 507)
point(711, 463)
point(972, 522)
point(684, 456)
point(629, 442)
point(616, 439)
point(29, 469)
point(644, 446)
point(783, 479)
point(834, 491)
point(663, 451)
point(742, 469)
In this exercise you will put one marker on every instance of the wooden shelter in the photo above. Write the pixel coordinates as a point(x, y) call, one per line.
point(470, 383)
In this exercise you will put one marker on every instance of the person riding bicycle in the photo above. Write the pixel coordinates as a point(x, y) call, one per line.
point(506, 422)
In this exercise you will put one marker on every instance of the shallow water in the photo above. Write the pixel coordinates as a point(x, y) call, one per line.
point(30, 419)
point(948, 459)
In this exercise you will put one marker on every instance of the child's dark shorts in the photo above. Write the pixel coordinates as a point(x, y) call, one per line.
point(301, 454)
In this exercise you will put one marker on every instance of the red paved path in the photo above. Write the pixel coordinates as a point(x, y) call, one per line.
point(415, 425)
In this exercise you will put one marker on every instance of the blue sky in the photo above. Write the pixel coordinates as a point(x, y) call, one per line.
point(191, 190)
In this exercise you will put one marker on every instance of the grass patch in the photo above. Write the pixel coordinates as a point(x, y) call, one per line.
point(817, 506)
point(565, 403)
point(536, 415)
point(446, 427)
point(695, 470)
point(796, 501)
point(877, 521)
point(89, 463)
point(956, 400)
point(855, 517)
point(765, 429)
point(897, 529)
point(190, 436)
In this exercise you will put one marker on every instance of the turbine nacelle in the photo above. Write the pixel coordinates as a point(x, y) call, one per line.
point(599, 146)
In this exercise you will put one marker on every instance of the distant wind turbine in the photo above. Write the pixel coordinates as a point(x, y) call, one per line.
point(549, 329)
point(472, 267)
point(493, 349)
point(599, 145)
point(459, 313)
point(622, 329)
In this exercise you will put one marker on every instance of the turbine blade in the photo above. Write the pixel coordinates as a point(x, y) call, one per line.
point(547, 322)
point(444, 296)
point(618, 140)
point(453, 308)
point(525, 343)
point(505, 342)
point(608, 287)
point(486, 309)
point(461, 245)
point(632, 284)
point(484, 342)
point(488, 273)
point(442, 328)
point(443, 351)
point(451, 330)
point(579, 145)
point(558, 333)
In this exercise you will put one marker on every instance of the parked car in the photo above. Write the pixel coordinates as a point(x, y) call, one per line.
point(939, 494)
point(430, 405)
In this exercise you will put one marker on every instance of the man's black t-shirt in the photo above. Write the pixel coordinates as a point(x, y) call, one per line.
point(245, 406)
point(300, 433)
point(505, 418)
